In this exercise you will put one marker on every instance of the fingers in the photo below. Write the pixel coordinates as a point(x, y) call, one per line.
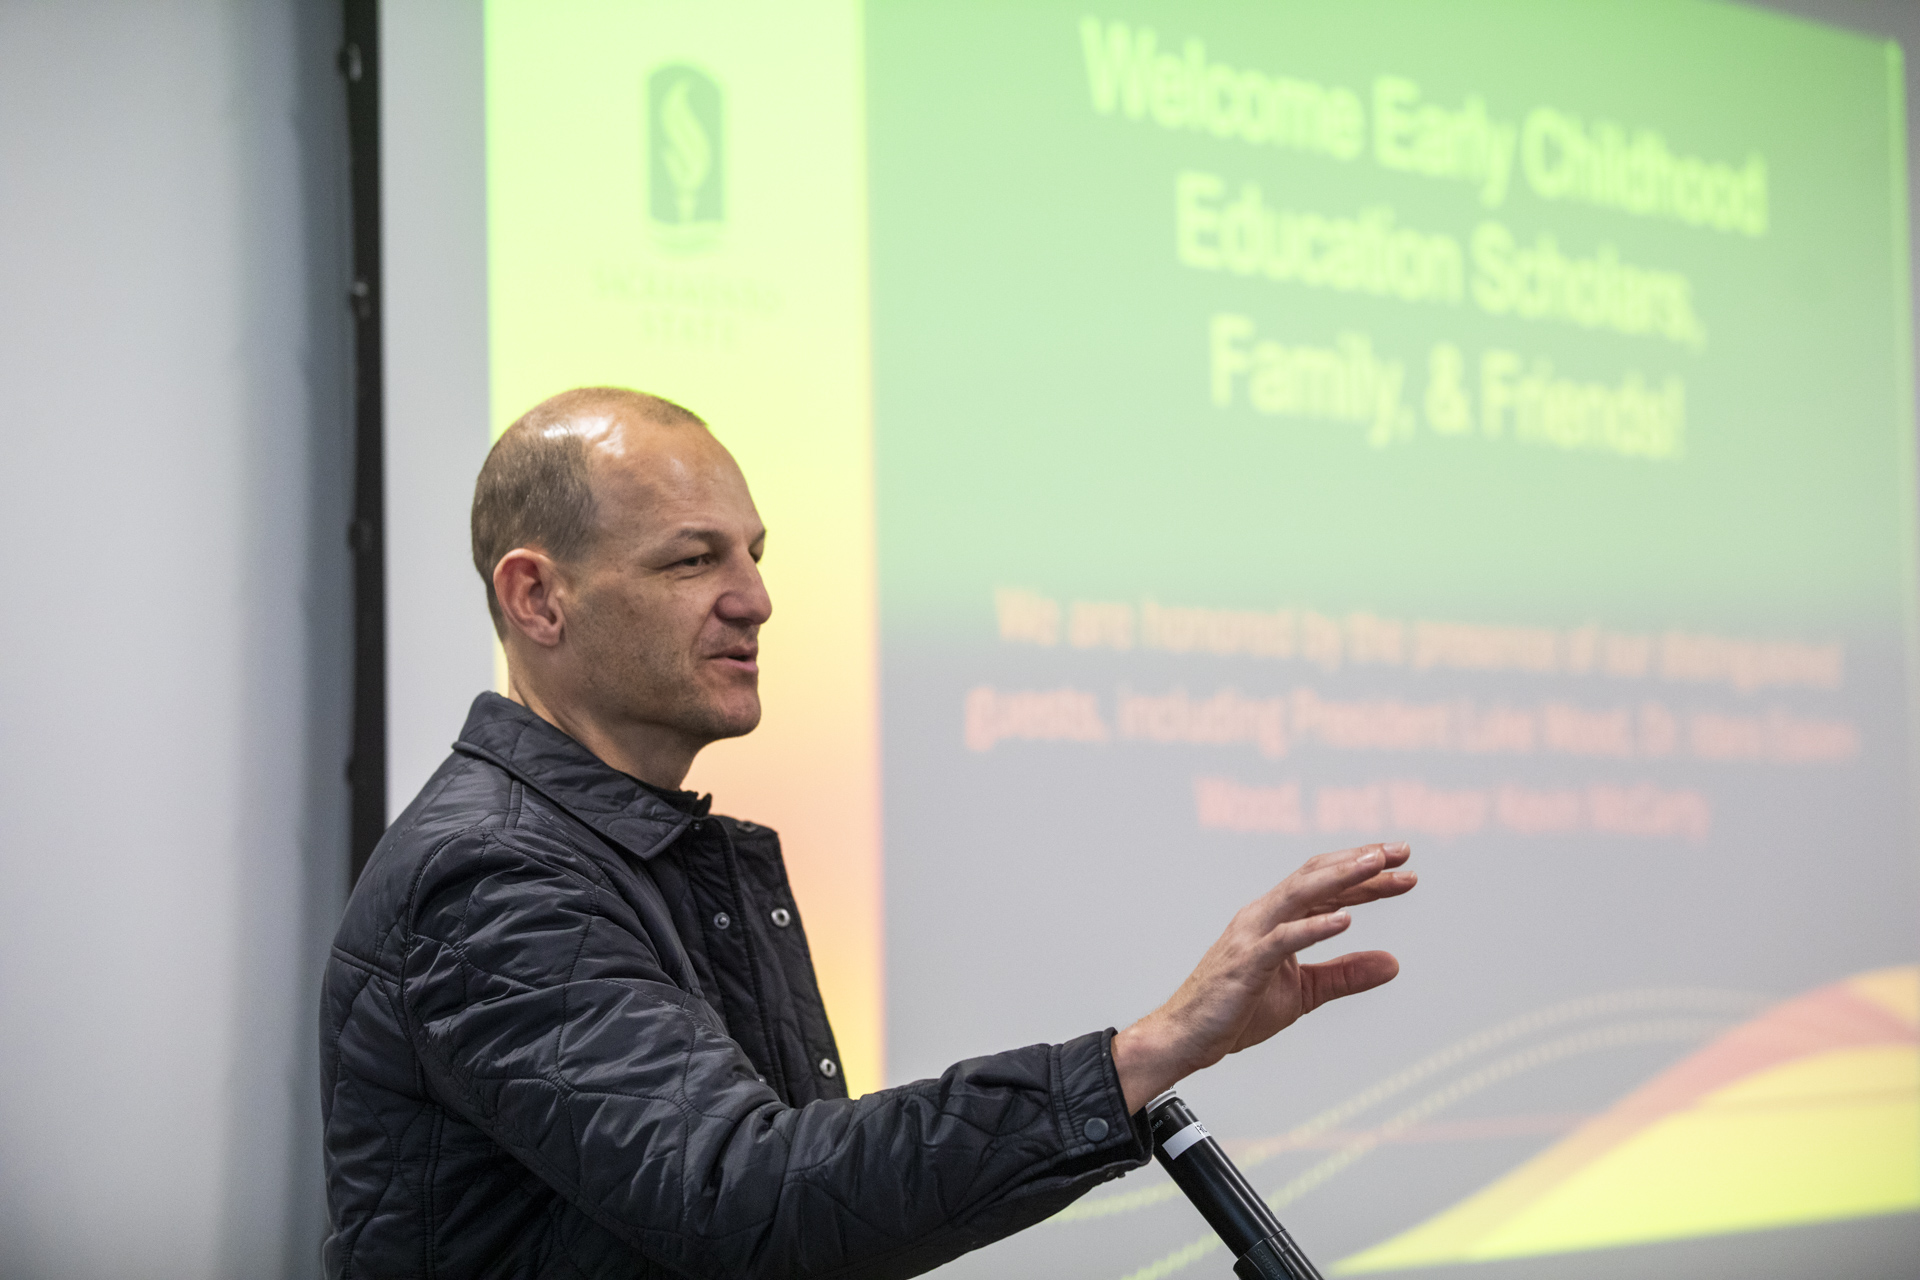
point(1297, 935)
point(1392, 854)
point(1388, 884)
point(1348, 975)
point(1336, 879)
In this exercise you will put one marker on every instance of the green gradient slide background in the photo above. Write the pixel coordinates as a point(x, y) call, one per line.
point(1037, 239)
point(1045, 422)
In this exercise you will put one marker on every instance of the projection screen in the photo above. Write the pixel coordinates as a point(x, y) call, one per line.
point(1196, 436)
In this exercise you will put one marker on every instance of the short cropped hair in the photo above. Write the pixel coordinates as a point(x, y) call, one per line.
point(535, 489)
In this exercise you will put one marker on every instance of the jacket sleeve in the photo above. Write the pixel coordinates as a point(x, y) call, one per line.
point(542, 1014)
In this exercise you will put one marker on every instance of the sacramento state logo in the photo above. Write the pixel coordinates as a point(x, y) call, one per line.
point(686, 154)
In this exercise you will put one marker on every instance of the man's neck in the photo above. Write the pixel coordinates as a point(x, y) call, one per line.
point(656, 757)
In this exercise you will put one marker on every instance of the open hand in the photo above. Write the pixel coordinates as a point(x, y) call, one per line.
point(1250, 983)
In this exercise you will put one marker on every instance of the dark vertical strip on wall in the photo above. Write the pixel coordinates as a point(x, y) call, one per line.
point(367, 768)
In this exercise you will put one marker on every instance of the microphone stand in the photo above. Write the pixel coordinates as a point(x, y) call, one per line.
point(1261, 1247)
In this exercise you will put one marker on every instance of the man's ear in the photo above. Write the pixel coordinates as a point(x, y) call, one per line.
point(526, 583)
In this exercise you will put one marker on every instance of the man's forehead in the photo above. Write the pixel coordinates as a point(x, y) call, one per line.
point(593, 428)
point(659, 457)
point(669, 476)
point(615, 431)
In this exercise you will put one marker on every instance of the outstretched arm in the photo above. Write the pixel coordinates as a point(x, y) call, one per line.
point(542, 1015)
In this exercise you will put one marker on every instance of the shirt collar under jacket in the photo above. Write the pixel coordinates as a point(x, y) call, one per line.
point(638, 817)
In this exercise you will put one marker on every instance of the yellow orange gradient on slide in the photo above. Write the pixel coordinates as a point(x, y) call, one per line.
point(765, 333)
point(1825, 1134)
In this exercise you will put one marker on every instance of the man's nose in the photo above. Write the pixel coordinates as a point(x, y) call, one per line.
point(745, 602)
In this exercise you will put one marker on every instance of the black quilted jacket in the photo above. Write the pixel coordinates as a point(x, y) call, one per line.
point(570, 1028)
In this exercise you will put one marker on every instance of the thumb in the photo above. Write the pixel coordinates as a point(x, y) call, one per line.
point(1347, 975)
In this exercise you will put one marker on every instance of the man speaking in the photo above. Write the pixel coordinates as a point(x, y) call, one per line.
point(570, 1026)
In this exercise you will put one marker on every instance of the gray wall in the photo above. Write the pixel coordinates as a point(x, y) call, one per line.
point(434, 225)
point(173, 384)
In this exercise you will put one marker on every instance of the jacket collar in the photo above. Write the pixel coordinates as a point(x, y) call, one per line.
point(510, 737)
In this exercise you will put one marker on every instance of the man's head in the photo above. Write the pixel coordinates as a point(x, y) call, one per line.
point(620, 549)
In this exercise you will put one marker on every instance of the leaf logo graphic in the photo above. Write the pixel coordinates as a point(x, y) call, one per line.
point(689, 155)
point(686, 157)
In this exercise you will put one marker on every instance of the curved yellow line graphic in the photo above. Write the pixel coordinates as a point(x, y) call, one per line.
point(1808, 1113)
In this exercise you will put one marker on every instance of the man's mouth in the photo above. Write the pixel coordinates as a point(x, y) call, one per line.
point(742, 658)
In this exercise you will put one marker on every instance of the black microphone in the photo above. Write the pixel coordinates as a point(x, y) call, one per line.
point(1262, 1249)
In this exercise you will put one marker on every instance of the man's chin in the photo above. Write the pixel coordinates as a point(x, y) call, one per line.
point(733, 721)
point(738, 728)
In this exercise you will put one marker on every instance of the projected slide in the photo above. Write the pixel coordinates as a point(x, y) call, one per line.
point(1197, 436)
point(1808, 1112)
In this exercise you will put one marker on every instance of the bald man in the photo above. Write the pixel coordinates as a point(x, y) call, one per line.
point(570, 1024)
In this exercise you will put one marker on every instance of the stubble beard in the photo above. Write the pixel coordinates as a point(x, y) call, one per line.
point(646, 682)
